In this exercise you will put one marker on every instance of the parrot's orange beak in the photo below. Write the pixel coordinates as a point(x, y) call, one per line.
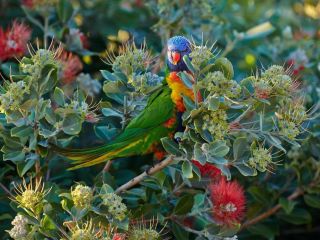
point(175, 56)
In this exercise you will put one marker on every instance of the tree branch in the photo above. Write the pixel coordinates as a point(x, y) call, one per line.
point(150, 171)
point(298, 192)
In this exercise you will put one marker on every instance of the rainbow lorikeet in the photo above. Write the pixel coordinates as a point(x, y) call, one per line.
point(157, 120)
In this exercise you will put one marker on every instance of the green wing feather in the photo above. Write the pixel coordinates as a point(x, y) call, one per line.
point(137, 138)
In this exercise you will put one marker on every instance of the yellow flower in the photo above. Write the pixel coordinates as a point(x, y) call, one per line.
point(30, 196)
point(82, 196)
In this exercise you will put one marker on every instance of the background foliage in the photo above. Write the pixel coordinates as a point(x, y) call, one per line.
point(252, 34)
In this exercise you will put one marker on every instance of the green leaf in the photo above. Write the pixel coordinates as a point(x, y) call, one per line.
point(108, 76)
point(297, 217)
point(171, 147)
point(24, 167)
point(16, 156)
point(108, 112)
point(64, 10)
point(287, 205)
point(187, 169)
point(312, 200)
point(225, 170)
point(47, 223)
point(199, 155)
point(240, 146)
point(72, 124)
point(274, 141)
point(23, 131)
point(186, 79)
point(245, 170)
point(188, 103)
point(114, 87)
point(48, 79)
point(179, 232)
point(218, 149)
point(184, 205)
point(187, 61)
point(225, 66)
point(58, 96)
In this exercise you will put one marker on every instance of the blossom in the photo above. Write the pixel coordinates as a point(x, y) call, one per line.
point(82, 196)
point(71, 66)
point(119, 236)
point(228, 202)
point(261, 159)
point(19, 230)
point(30, 196)
point(13, 41)
point(115, 206)
point(208, 170)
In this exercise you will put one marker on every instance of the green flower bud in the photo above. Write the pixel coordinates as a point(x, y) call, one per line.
point(82, 196)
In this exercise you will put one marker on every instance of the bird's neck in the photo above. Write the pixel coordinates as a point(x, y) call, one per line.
point(178, 90)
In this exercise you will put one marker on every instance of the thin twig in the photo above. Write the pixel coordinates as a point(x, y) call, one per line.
point(150, 171)
point(298, 192)
point(107, 166)
point(6, 190)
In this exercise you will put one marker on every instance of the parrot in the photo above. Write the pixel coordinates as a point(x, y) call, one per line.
point(159, 119)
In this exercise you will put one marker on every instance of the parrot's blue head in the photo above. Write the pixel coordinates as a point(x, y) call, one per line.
point(177, 47)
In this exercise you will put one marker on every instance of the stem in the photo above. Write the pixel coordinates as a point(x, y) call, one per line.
point(150, 171)
point(125, 105)
point(195, 91)
point(45, 31)
point(6, 190)
point(298, 192)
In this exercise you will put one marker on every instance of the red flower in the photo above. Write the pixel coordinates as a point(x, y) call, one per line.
point(119, 236)
point(13, 41)
point(71, 67)
point(208, 170)
point(27, 3)
point(228, 202)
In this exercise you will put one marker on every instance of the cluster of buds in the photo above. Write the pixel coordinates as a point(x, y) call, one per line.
point(82, 196)
point(218, 85)
point(131, 60)
point(290, 117)
point(272, 82)
point(215, 121)
point(20, 228)
point(30, 196)
point(143, 82)
point(115, 206)
point(261, 159)
point(14, 95)
point(14, 40)
point(200, 54)
point(42, 57)
point(83, 109)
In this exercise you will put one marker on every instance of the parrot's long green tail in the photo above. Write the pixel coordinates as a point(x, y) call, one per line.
point(92, 156)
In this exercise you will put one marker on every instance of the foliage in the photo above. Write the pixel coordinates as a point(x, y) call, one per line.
point(259, 127)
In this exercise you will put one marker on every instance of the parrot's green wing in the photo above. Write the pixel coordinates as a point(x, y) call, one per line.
point(137, 138)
